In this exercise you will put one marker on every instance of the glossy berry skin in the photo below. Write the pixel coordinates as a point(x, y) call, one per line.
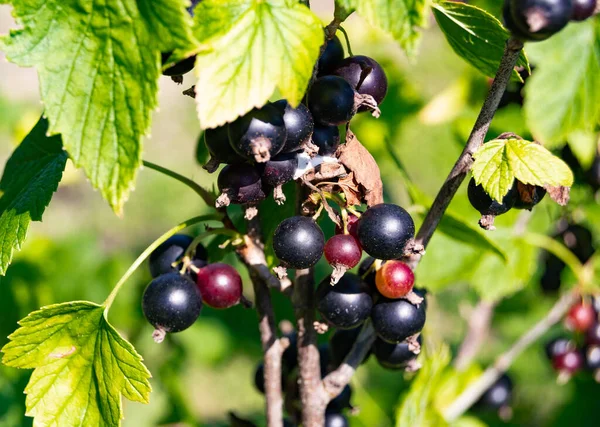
point(171, 302)
point(179, 69)
point(393, 356)
point(345, 305)
point(170, 251)
point(537, 19)
point(331, 101)
point(528, 196)
point(217, 144)
point(299, 125)
point(384, 230)
point(558, 346)
point(340, 344)
point(327, 138)
point(499, 395)
point(220, 285)
point(396, 320)
point(581, 317)
point(592, 357)
point(365, 75)
point(592, 335)
point(485, 204)
point(242, 183)
point(394, 279)
point(280, 169)
point(569, 362)
point(332, 55)
point(298, 242)
point(583, 9)
point(342, 250)
point(335, 419)
point(260, 134)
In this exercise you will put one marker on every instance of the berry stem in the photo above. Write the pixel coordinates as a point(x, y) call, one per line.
point(347, 41)
point(215, 231)
point(140, 259)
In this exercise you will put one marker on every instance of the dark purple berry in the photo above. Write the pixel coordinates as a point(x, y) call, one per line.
point(179, 69)
point(537, 19)
point(583, 9)
point(163, 258)
point(335, 419)
point(384, 230)
point(499, 395)
point(327, 138)
point(217, 144)
point(592, 357)
point(558, 346)
point(485, 204)
point(365, 76)
point(239, 184)
point(299, 125)
point(580, 241)
point(331, 101)
point(298, 242)
point(345, 305)
point(569, 362)
point(393, 356)
point(220, 285)
point(332, 55)
point(342, 250)
point(278, 171)
point(592, 335)
point(396, 320)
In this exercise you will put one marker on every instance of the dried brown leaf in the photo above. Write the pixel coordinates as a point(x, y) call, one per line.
point(351, 189)
point(559, 194)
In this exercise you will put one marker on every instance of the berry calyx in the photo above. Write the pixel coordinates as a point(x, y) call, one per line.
point(299, 125)
point(394, 279)
point(327, 139)
point(278, 171)
point(260, 134)
point(583, 9)
point(396, 320)
point(384, 230)
point(537, 20)
point(331, 101)
point(217, 144)
point(298, 242)
point(239, 184)
point(166, 257)
point(498, 396)
point(488, 207)
point(569, 362)
point(171, 303)
point(365, 75)
point(347, 304)
point(581, 317)
point(342, 252)
point(220, 285)
point(332, 55)
point(393, 356)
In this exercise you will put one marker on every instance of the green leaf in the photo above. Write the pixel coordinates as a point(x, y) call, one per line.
point(98, 65)
point(584, 146)
point(81, 365)
point(30, 178)
point(563, 94)
point(500, 161)
point(475, 35)
point(401, 18)
point(259, 46)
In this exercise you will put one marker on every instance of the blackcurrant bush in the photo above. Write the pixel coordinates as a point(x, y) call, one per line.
point(583, 9)
point(488, 207)
point(327, 138)
point(163, 258)
point(365, 76)
point(342, 252)
point(278, 171)
point(298, 242)
point(345, 305)
point(592, 358)
point(299, 125)
point(528, 196)
point(537, 19)
point(592, 335)
point(331, 101)
point(581, 317)
point(558, 346)
point(384, 230)
point(335, 419)
point(394, 279)
point(217, 144)
point(179, 69)
point(341, 342)
point(499, 395)
point(239, 184)
point(260, 134)
point(393, 356)
point(220, 285)
point(332, 55)
point(569, 362)
point(171, 303)
point(341, 401)
point(396, 320)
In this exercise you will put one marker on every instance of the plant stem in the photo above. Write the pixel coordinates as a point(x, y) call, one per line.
point(347, 40)
point(215, 231)
point(479, 327)
point(206, 195)
point(468, 397)
point(140, 259)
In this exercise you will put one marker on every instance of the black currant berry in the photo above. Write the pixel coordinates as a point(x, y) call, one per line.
point(393, 356)
point(342, 252)
point(332, 55)
point(384, 230)
point(365, 75)
point(298, 242)
point(553, 268)
point(499, 395)
point(331, 101)
point(179, 69)
point(161, 260)
point(278, 171)
point(341, 342)
point(171, 303)
point(299, 125)
point(260, 134)
point(239, 184)
point(558, 346)
point(580, 241)
point(528, 195)
point(217, 144)
point(341, 401)
point(583, 9)
point(488, 207)
point(537, 19)
point(327, 138)
point(569, 362)
point(396, 320)
point(290, 355)
point(335, 419)
point(345, 305)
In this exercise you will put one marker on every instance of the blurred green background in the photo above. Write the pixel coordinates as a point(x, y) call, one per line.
point(81, 249)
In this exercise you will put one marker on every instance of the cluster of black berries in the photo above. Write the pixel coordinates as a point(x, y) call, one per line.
point(536, 20)
point(173, 299)
point(497, 398)
point(581, 350)
point(520, 196)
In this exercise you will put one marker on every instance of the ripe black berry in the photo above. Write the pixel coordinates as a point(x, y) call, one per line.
point(171, 303)
point(580, 241)
point(365, 75)
point(384, 230)
point(298, 242)
point(217, 144)
point(331, 101)
point(393, 356)
point(332, 55)
point(278, 171)
point(396, 320)
point(345, 305)
point(335, 419)
point(537, 19)
point(498, 395)
point(583, 9)
point(239, 184)
point(170, 251)
point(259, 378)
point(340, 344)
point(487, 207)
point(299, 125)
point(220, 285)
point(327, 138)
point(553, 268)
point(260, 134)
point(528, 195)
point(179, 69)
point(558, 346)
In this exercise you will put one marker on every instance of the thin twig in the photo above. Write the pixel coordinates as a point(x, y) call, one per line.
point(503, 362)
point(479, 328)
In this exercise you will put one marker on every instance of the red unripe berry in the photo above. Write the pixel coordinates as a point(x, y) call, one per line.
point(581, 317)
point(343, 250)
point(220, 285)
point(394, 279)
point(569, 362)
